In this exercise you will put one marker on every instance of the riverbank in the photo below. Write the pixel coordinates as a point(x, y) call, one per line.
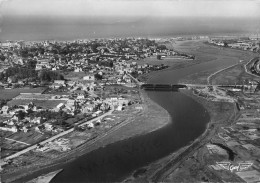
point(221, 114)
point(185, 164)
point(45, 178)
point(150, 118)
point(203, 53)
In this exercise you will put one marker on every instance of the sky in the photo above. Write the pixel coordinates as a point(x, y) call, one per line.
point(157, 8)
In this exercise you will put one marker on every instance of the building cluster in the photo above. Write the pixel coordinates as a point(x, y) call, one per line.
point(224, 93)
point(243, 44)
point(107, 60)
point(99, 63)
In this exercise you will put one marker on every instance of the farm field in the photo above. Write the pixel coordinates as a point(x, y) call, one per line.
point(47, 104)
point(11, 93)
point(13, 142)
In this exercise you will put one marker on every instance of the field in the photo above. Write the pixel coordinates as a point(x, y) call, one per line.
point(13, 142)
point(47, 104)
point(11, 93)
point(206, 53)
point(73, 75)
point(234, 75)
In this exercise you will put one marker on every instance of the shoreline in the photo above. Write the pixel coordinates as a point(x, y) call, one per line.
point(30, 173)
point(158, 170)
point(164, 123)
point(45, 178)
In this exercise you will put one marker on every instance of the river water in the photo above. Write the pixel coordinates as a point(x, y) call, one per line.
point(117, 161)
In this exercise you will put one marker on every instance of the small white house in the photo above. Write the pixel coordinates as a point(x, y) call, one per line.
point(60, 105)
point(90, 125)
point(11, 129)
point(89, 78)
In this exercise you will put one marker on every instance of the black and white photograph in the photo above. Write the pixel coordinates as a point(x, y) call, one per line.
point(129, 91)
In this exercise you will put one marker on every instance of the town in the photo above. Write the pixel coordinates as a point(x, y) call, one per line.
point(59, 97)
point(56, 96)
point(244, 43)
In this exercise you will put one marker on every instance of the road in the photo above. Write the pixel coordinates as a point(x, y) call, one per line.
point(248, 72)
point(17, 141)
point(55, 136)
point(137, 82)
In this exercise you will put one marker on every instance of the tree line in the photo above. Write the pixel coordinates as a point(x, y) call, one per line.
point(17, 73)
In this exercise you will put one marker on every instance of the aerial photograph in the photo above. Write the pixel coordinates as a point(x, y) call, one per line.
point(129, 91)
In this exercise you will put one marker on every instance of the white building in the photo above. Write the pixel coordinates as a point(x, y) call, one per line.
point(89, 78)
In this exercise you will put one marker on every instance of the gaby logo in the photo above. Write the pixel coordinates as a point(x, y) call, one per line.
point(240, 167)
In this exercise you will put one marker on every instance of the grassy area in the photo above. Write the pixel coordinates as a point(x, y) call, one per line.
point(233, 75)
point(75, 75)
point(206, 53)
point(11, 93)
point(47, 104)
point(30, 138)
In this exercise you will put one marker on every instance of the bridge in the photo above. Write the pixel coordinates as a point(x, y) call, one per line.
point(176, 87)
point(163, 87)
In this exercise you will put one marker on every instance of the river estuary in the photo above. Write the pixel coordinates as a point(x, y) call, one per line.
point(189, 119)
point(117, 161)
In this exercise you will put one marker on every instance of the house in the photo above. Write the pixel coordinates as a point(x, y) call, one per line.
point(25, 129)
point(71, 102)
point(11, 79)
point(89, 78)
point(127, 78)
point(61, 82)
point(81, 96)
point(48, 126)
point(60, 105)
point(11, 129)
point(55, 86)
point(5, 109)
point(37, 120)
point(120, 108)
point(90, 125)
point(39, 128)
point(88, 108)
point(78, 69)
point(41, 64)
point(71, 83)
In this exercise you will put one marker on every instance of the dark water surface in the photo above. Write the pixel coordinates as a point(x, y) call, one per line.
point(48, 28)
point(118, 160)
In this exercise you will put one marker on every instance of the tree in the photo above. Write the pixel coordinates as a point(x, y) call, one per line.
point(161, 47)
point(159, 57)
point(20, 115)
point(98, 76)
point(2, 103)
point(111, 64)
point(225, 44)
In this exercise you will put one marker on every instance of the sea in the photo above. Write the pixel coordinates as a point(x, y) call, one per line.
point(30, 28)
